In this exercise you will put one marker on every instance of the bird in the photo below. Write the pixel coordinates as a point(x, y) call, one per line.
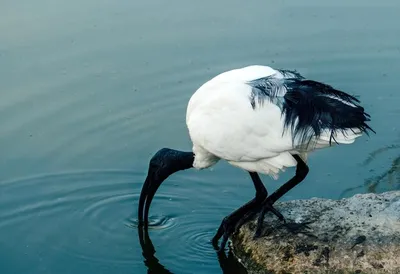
point(262, 120)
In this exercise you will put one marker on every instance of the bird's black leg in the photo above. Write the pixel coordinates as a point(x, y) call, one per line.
point(301, 173)
point(233, 221)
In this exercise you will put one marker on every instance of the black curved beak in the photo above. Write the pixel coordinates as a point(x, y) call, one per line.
point(149, 189)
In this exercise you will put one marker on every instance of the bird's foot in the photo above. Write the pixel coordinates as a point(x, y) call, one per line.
point(225, 230)
point(231, 224)
point(266, 206)
point(291, 227)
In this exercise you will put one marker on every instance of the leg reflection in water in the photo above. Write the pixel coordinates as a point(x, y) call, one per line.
point(228, 264)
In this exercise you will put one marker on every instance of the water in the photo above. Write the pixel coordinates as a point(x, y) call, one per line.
point(90, 90)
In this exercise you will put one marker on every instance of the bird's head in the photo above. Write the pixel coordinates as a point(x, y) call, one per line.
point(165, 162)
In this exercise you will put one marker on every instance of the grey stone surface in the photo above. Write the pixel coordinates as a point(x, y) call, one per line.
point(360, 234)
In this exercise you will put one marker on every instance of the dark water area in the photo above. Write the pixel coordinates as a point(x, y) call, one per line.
point(90, 90)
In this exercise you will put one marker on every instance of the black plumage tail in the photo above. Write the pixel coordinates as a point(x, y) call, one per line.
point(311, 107)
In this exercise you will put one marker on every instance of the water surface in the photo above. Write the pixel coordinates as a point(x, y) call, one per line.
point(90, 90)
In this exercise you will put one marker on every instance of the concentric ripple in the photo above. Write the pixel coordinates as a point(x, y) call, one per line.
point(91, 218)
point(80, 215)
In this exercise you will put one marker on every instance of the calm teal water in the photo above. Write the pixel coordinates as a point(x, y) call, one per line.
point(91, 89)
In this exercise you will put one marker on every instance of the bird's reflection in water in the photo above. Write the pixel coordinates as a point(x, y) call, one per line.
point(148, 251)
point(228, 263)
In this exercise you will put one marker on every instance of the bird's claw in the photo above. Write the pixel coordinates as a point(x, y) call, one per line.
point(228, 227)
point(267, 206)
point(232, 225)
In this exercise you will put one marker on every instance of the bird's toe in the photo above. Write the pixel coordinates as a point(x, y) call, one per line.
point(267, 206)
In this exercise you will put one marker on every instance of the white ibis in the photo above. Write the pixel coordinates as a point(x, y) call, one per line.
point(262, 120)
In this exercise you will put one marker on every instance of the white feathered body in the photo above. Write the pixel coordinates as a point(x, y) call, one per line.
point(223, 124)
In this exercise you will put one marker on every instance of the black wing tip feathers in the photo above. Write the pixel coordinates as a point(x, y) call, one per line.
point(310, 107)
point(321, 107)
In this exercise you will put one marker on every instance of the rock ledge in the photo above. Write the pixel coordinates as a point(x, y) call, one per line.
point(360, 234)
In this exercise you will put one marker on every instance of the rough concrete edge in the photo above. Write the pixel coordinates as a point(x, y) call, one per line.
point(251, 265)
point(240, 253)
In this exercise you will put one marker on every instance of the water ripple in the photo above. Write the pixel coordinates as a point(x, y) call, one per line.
point(91, 216)
point(85, 91)
point(85, 214)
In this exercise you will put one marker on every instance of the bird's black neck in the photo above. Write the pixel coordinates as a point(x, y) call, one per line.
point(171, 160)
point(180, 160)
point(164, 163)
